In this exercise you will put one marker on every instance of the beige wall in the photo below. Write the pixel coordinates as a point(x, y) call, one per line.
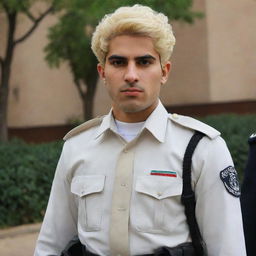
point(39, 95)
point(189, 79)
point(231, 27)
point(214, 60)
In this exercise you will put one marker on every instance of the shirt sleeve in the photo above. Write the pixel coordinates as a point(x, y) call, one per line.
point(218, 208)
point(60, 220)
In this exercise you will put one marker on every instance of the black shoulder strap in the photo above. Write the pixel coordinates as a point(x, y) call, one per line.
point(188, 196)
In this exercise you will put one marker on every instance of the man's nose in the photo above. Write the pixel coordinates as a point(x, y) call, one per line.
point(131, 73)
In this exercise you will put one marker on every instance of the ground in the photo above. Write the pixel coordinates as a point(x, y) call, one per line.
point(19, 241)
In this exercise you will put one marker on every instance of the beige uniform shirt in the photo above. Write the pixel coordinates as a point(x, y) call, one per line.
point(113, 194)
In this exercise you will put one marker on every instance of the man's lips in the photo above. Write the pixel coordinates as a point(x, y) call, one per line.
point(132, 91)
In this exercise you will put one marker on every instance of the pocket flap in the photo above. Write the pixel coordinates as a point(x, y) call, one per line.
point(89, 184)
point(159, 187)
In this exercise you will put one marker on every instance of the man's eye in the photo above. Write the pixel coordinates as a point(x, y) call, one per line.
point(144, 62)
point(117, 63)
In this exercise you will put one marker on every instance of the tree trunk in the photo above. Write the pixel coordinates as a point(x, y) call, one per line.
point(5, 76)
point(4, 104)
point(87, 108)
point(90, 79)
point(88, 100)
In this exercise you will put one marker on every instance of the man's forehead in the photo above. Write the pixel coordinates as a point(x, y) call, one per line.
point(131, 45)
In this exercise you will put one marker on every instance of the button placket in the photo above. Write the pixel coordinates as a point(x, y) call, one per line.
point(119, 237)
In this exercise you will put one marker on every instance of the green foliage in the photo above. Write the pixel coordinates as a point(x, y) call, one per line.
point(175, 9)
point(16, 5)
point(23, 5)
point(26, 173)
point(69, 41)
point(235, 129)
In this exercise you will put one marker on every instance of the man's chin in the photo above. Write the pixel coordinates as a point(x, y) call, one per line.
point(132, 108)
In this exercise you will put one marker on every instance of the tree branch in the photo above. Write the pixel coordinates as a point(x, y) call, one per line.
point(34, 26)
point(27, 12)
point(30, 15)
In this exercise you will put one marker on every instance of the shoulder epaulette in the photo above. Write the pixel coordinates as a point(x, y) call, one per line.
point(83, 127)
point(194, 124)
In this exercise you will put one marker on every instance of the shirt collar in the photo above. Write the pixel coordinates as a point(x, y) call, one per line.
point(155, 124)
point(108, 123)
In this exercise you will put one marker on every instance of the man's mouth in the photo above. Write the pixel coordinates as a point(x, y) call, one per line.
point(132, 91)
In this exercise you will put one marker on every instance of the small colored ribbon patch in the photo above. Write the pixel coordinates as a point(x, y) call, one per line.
point(164, 173)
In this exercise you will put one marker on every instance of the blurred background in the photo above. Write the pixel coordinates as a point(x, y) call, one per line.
point(49, 84)
point(213, 64)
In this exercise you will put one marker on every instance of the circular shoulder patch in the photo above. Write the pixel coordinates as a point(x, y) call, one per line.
point(230, 180)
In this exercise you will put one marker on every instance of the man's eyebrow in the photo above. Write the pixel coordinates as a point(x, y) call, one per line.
point(116, 57)
point(147, 56)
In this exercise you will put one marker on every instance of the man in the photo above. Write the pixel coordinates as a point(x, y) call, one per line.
point(248, 198)
point(118, 183)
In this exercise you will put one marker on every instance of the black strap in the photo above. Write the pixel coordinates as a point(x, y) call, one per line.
point(188, 196)
point(74, 247)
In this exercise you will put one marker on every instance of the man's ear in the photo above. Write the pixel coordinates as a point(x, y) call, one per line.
point(165, 72)
point(101, 71)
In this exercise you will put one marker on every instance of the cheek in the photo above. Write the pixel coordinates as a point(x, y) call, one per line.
point(111, 87)
point(113, 79)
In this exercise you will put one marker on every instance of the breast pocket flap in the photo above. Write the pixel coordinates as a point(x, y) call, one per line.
point(159, 187)
point(89, 184)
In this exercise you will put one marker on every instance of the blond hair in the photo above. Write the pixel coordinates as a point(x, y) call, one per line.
point(136, 20)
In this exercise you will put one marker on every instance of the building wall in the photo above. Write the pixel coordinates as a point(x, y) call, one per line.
point(189, 77)
point(39, 96)
point(231, 49)
point(213, 61)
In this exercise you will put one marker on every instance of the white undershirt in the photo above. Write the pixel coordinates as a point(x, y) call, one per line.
point(128, 130)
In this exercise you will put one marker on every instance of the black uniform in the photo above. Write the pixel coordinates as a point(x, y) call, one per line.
point(248, 199)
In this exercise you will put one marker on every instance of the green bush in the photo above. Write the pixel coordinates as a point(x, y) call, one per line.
point(235, 129)
point(26, 170)
point(26, 173)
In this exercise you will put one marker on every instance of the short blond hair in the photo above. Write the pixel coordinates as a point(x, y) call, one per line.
point(136, 20)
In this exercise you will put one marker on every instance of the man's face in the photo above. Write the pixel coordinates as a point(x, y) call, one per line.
point(133, 77)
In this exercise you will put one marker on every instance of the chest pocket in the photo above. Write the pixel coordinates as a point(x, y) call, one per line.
point(89, 190)
point(157, 207)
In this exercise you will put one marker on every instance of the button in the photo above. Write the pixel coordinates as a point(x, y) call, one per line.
point(159, 193)
point(175, 116)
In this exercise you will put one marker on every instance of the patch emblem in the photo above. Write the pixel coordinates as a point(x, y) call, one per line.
point(252, 138)
point(163, 173)
point(230, 180)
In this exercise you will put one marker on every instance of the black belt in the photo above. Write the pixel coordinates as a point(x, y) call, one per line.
point(76, 248)
point(88, 253)
point(185, 249)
